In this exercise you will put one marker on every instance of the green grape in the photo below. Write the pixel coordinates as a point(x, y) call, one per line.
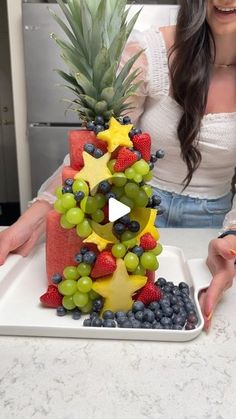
point(131, 189)
point(141, 167)
point(131, 261)
point(68, 302)
point(118, 191)
point(84, 229)
point(64, 223)
point(98, 216)
point(128, 239)
point(70, 272)
point(127, 201)
point(68, 200)
point(157, 250)
point(148, 190)
point(58, 192)
point(74, 215)
point(67, 287)
point(87, 308)
point(141, 199)
point(100, 200)
point(80, 299)
point(111, 165)
point(148, 177)
point(118, 250)
point(127, 235)
point(138, 178)
point(89, 205)
point(149, 261)
point(119, 179)
point(130, 173)
point(83, 269)
point(93, 295)
point(59, 207)
point(84, 284)
point(140, 270)
point(80, 185)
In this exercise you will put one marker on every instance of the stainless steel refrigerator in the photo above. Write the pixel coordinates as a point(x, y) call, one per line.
point(48, 123)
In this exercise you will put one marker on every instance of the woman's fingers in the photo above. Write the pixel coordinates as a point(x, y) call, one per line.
point(26, 247)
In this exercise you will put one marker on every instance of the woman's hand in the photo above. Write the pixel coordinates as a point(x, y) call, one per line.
point(22, 236)
point(221, 258)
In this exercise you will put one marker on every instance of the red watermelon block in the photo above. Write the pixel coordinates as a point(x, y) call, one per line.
point(61, 245)
point(68, 173)
point(77, 140)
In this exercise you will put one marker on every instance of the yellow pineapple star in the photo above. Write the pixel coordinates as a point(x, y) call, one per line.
point(118, 288)
point(101, 236)
point(146, 218)
point(117, 135)
point(94, 170)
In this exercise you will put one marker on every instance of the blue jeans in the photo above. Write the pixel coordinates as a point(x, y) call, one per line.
point(185, 211)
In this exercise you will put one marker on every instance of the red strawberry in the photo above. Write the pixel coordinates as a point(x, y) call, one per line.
point(149, 293)
point(125, 159)
point(147, 242)
point(52, 298)
point(142, 143)
point(105, 265)
point(150, 276)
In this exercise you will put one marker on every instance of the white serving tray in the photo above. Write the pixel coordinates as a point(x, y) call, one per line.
point(23, 280)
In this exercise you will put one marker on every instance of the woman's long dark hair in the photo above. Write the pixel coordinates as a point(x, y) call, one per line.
point(193, 52)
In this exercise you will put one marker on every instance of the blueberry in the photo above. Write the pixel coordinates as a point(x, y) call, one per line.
point(146, 325)
point(139, 315)
point(122, 320)
point(126, 324)
point(167, 311)
point(138, 250)
point(151, 165)
point(89, 148)
point(89, 257)
point(173, 300)
point(79, 258)
point(177, 327)
point(158, 314)
point(156, 200)
point(183, 285)
point(98, 128)
point(119, 314)
point(97, 153)
point(109, 323)
point(192, 318)
point(160, 154)
point(129, 313)
point(167, 289)
point(87, 322)
point(90, 126)
point(99, 120)
point(176, 291)
point(56, 278)
point(189, 326)
point(136, 324)
point(160, 209)
point(69, 182)
point(76, 315)
point(138, 306)
point(170, 284)
point(176, 308)
point(104, 186)
point(93, 315)
point(61, 311)
point(125, 220)
point(119, 228)
point(110, 195)
point(84, 250)
point(108, 314)
point(189, 306)
point(148, 315)
point(138, 154)
point(179, 320)
point(164, 302)
point(166, 322)
point(134, 226)
point(134, 131)
point(157, 325)
point(185, 291)
point(79, 196)
point(96, 322)
point(153, 158)
point(97, 304)
point(126, 120)
point(154, 305)
point(67, 189)
point(161, 282)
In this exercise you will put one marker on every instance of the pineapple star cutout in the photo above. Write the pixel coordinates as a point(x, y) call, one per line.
point(146, 218)
point(101, 236)
point(118, 288)
point(94, 170)
point(117, 135)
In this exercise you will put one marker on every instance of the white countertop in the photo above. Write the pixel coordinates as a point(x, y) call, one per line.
point(99, 379)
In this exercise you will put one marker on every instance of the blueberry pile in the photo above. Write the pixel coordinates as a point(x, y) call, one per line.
point(93, 151)
point(175, 311)
point(86, 256)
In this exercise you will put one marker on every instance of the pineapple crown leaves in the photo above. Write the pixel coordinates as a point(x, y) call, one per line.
point(97, 31)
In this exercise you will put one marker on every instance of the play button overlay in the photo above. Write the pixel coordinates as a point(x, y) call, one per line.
point(116, 209)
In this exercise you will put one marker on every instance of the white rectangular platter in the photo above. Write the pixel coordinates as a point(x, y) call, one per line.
point(23, 280)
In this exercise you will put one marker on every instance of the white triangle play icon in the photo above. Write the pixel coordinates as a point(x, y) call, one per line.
point(116, 209)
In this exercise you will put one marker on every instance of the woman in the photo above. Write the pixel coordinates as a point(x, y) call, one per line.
point(188, 104)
